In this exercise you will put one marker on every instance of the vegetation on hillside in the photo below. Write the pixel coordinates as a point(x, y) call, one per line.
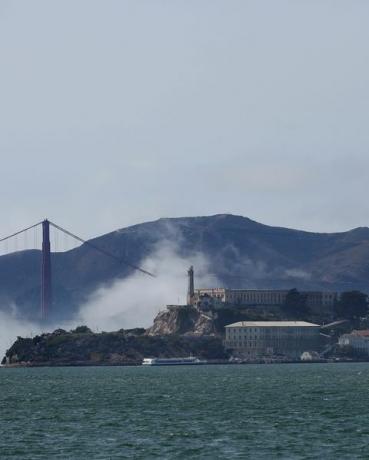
point(295, 305)
point(352, 305)
point(83, 347)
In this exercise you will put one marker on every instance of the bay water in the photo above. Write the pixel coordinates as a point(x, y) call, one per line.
point(289, 411)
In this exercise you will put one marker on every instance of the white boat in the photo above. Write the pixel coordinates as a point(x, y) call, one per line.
point(171, 361)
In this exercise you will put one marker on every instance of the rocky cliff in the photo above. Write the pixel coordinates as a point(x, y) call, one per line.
point(183, 320)
point(189, 321)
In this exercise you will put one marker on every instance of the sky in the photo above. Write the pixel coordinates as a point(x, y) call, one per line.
point(117, 112)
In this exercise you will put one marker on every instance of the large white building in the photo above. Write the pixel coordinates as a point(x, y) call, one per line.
point(256, 339)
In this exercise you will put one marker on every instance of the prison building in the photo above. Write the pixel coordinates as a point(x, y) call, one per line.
point(258, 339)
point(266, 297)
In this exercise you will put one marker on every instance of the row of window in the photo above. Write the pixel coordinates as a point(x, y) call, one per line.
point(261, 298)
point(274, 332)
point(266, 297)
point(240, 344)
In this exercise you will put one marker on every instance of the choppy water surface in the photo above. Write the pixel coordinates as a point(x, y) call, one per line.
point(207, 412)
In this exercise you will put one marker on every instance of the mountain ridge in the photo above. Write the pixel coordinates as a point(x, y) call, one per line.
point(241, 252)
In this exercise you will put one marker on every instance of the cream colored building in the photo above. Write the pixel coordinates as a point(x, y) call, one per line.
point(256, 339)
point(267, 297)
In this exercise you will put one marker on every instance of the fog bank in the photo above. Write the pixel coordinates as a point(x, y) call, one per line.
point(135, 301)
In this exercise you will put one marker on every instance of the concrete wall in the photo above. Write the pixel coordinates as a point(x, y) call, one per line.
point(256, 342)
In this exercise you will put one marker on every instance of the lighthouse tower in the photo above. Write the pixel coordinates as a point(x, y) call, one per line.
point(191, 287)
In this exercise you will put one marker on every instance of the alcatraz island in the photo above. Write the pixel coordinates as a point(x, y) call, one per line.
point(220, 326)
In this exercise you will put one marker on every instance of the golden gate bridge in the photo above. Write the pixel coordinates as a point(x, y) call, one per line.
point(46, 267)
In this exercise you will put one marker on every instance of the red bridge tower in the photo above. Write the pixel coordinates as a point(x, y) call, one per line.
point(46, 294)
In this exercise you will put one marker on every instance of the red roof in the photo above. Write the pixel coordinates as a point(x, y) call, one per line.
point(362, 333)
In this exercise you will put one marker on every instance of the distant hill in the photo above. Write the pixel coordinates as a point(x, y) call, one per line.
point(241, 253)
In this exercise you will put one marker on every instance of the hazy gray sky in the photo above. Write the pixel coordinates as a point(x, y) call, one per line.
point(118, 112)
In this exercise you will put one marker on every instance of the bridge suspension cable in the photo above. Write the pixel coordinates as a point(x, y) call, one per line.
point(121, 260)
point(21, 231)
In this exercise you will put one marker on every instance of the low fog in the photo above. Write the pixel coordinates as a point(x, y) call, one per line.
point(135, 301)
point(128, 303)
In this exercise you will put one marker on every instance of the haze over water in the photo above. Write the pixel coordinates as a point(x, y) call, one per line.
point(294, 411)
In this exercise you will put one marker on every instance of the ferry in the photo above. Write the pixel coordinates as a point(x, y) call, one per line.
point(172, 361)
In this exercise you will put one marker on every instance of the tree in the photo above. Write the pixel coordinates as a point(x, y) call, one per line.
point(351, 305)
point(295, 304)
point(82, 330)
